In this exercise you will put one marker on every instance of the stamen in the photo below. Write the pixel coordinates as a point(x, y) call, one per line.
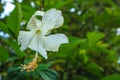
point(30, 66)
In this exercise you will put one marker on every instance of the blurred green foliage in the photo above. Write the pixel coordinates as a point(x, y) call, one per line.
point(93, 50)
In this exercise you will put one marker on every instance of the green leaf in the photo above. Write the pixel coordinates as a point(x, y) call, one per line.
point(44, 66)
point(4, 27)
point(83, 56)
point(94, 36)
point(112, 77)
point(68, 48)
point(49, 74)
point(13, 21)
point(79, 77)
point(57, 4)
point(44, 76)
point(16, 48)
point(4, 55)
point(12, 69)
point(62, 3)
point(28, 11)
point(94, 69)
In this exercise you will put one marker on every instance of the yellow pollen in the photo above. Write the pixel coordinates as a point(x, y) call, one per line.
point(30, 66)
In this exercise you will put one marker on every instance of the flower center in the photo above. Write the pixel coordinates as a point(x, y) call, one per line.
point(38, 32)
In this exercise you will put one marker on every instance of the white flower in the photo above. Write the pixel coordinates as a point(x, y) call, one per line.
point(38, 37)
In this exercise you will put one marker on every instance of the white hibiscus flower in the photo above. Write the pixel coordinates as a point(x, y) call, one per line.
point(38, 37)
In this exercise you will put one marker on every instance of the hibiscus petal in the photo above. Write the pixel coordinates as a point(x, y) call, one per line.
point(39, 24)
point(34, 23)
point(53, 42)
point(40, 13)
point(36, 45)
point(52, 19)
point(24, 38)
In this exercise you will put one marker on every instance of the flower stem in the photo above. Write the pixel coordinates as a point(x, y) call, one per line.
point(36, 55)
point(42, 5)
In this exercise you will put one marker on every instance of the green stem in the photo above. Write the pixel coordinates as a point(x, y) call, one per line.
point(42, 5)
point(36, 55)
